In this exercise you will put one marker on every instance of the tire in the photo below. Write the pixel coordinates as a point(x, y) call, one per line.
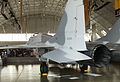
point(43, 68)
point(83, 68)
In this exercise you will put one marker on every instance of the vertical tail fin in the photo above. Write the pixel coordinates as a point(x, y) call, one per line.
point(71, 29)
point(113, 35)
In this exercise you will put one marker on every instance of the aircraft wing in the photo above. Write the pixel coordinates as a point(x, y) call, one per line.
point(40, 45)
point(9, 47)
point(65, 55)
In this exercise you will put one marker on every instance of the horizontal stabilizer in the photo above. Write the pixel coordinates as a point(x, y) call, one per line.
point(65, 55)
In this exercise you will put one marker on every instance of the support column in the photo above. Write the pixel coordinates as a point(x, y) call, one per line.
point(117, 8)
point(86, 7)
point(93, 37)
point(21, 17)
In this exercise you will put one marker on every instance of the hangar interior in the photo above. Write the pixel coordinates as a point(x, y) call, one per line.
point(42, 16)
point(20, 19)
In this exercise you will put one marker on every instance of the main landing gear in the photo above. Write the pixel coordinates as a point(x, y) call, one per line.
point(83, 68)
point(44, 69)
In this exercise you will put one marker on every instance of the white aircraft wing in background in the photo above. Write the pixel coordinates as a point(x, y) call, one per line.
point(37, 41)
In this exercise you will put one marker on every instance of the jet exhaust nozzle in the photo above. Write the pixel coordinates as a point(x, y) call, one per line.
point(101, 55)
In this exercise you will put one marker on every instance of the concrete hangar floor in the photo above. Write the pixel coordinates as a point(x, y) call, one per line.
point(30, 73)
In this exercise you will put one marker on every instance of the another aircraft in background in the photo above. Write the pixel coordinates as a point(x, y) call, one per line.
point(35, 41)
point(112, 41)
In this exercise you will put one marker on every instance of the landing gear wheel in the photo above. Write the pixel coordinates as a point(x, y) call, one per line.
point(44, 69)
point(83, 68)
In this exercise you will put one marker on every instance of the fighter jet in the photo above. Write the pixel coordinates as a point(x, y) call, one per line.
point(112, 41)
point(69, 43)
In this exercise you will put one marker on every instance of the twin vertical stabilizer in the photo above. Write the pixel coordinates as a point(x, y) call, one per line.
point(113, 36)
point(71, 30)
